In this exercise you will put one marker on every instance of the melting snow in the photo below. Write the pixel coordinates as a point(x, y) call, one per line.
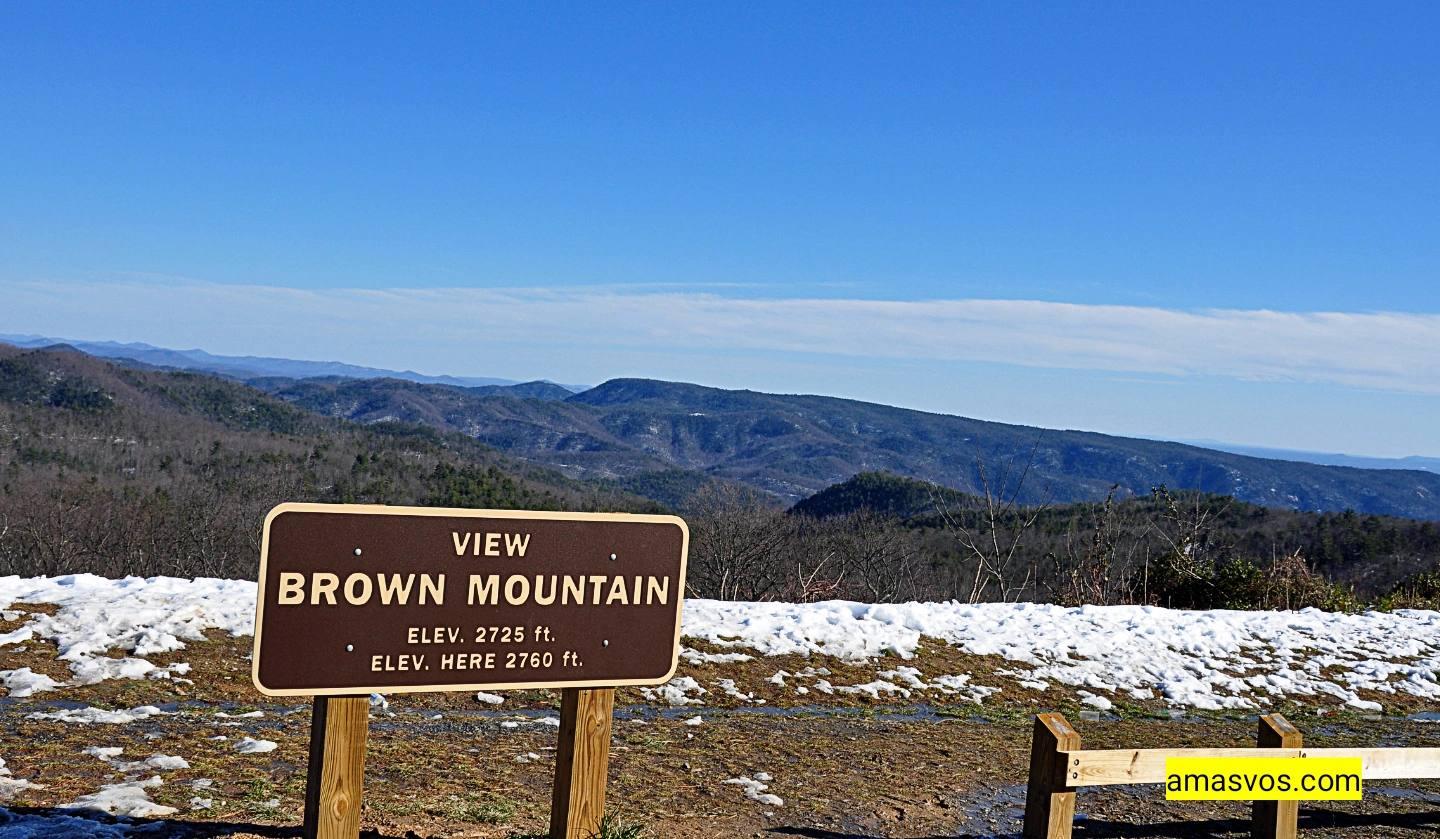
point(10, 785)
point(26, 682)
point(1204, 659)
point(249, 746)
point(755, 788)
point(124, 799)
point(1211, 660)
point(677, 691)
point(88, 716)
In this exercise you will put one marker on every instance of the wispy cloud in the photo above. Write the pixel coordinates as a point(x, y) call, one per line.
point(1378, 350)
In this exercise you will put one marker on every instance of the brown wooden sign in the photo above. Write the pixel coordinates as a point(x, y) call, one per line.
point(360, 599)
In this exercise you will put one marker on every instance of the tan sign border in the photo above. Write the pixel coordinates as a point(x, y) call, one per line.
point(454, 512)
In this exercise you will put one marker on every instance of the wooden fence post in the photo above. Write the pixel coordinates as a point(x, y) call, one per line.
point(1276, 819)
point(336, 774)
point(582, 759)
point(1049, 800)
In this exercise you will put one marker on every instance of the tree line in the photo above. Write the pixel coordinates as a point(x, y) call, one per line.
point(1176, 549)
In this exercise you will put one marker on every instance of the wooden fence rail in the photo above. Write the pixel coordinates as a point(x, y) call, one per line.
point(1058, 766)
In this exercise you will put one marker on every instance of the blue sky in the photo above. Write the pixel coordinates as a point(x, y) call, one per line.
point(1200, 221)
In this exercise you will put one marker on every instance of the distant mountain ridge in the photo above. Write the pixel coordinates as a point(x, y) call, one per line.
point(1428, 464)
point(244, 367)
point(644, 433)
point(793, 446)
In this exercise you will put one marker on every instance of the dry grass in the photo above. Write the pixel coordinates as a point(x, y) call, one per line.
point(842, 765)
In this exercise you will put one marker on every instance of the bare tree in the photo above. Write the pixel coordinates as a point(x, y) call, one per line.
point(992, 537)
point(879, 558)
point(736, 551)
point(1184, 526)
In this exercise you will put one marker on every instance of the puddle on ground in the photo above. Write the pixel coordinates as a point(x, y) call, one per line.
point(990, 812)
point(1402, 793)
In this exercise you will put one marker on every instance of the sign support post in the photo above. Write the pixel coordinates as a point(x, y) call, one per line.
point(336, 773)
point(582, 759)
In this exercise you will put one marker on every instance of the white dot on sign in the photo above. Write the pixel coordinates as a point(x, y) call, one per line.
point(349, 648)
point(358, 551)
point(605, 643)
point(612, 556)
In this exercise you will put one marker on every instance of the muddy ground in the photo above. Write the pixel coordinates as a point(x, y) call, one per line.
point(846, 766)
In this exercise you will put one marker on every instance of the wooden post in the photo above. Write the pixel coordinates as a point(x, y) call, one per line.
point(1049, 799)
point(1276, 819)
point(582, 759)
point(336, 774)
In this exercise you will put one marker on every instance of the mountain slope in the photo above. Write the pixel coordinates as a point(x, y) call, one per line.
point(793, 446)
point(240, 367)
point(115, 470)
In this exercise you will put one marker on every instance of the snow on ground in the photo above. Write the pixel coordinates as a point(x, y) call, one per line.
point(128, 798)
point(1209, 660)
point(1203, 659)
point(755, 788)
point(88, 716)
point(140, 616)
point(10, 785)
point(677, 692)
point(249, 745)
point(26, 682)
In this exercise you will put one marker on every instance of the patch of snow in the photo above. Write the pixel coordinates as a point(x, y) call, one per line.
point(156, 762)
point(90, 716)
point(151, 763)
point(140, 616)
point(873, 689)
point(697, 657)
point(553, 722)
point(250, 746)
point(490, 698)
point(729, 688)
point(26, 682)
point(677, 691)
point(10, 786)
point(17, 636)
point(755, 789)
point(127, 799)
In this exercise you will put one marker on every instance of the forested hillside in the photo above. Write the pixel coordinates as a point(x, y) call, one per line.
point(1119, 548)
point(794, 446)
point(119, 471)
